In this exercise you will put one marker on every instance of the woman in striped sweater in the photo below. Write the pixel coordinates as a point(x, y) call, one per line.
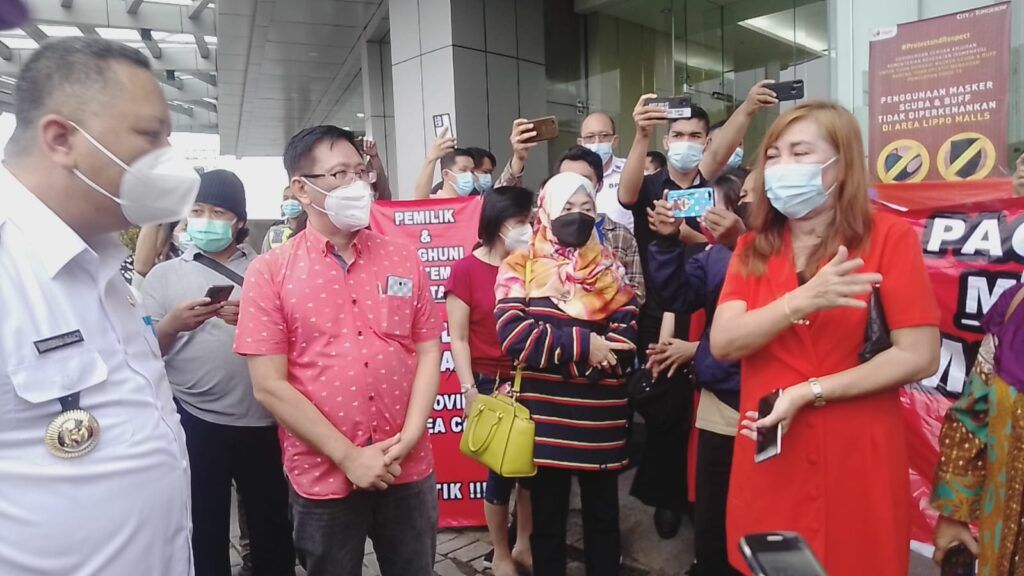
point(566, 316)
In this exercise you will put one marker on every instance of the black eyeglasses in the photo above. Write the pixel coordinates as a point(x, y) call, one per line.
point(343, 177)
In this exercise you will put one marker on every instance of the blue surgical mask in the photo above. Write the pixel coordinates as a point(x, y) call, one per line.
point(210, 235)
point(685, 156)
point(603, 149)
point(795, 189)
point(484, 183)
point(736, 159)
point(464, 183)
point(291, 208)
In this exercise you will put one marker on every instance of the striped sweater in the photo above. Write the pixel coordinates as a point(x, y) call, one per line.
point(581, 412)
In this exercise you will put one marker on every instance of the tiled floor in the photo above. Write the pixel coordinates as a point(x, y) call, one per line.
point(460, 552)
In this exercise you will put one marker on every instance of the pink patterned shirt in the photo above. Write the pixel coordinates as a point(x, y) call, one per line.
point(349, 335)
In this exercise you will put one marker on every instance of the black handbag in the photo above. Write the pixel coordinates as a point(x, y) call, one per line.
point(876, 334)
point(660, 401)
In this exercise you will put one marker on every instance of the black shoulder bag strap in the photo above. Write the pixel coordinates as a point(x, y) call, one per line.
point(219, 268)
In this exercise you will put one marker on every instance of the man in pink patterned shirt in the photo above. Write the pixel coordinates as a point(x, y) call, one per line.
point(344, 351)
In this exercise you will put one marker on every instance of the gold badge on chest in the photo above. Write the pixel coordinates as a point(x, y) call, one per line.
point(73, 433)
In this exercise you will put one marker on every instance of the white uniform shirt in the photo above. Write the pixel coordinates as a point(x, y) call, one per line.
point(122, 509)
point(608, 196)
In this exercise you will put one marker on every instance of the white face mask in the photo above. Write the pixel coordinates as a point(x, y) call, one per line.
point(158, 187)
point(347, 206)
point(518, 238)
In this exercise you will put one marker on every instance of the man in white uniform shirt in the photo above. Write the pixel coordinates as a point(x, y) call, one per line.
point(598, 133)
point(94, 476)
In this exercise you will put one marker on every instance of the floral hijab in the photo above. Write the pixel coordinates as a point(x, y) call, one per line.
point(586, 283)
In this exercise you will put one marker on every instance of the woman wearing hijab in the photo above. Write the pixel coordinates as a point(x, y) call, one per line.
point(980, 477)
point(568, 319)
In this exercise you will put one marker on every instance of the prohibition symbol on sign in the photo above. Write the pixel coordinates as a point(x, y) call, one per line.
point(966, 156)
point(903, 160)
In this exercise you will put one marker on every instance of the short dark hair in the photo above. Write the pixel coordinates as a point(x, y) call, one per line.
point(67, 76)
point(658, 158)
point(697, 113)
point(576, 153)
point(298, 149)
point(728, 186)
point(448, 160)
point(500, 204)
point(480, 154)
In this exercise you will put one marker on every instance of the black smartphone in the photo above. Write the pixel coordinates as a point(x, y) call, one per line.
point(780, 554)
point(676, 107)
point(218, 294)
point(959, 561)
point(769, 440)
point(788, 90)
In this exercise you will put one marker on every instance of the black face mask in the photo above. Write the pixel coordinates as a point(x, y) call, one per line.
point(574, 229)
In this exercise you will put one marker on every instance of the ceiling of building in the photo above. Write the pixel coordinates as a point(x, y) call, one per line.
point(179, 36)
point(287, 64)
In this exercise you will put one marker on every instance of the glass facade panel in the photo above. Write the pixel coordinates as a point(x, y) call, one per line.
point(711, 50)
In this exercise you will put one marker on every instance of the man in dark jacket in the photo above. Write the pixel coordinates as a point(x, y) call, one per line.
point(686, 285)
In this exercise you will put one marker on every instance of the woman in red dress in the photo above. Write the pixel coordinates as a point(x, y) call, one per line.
point(794, 310)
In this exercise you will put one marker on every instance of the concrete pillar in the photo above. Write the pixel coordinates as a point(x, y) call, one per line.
point(480, 61)
point(378, 100)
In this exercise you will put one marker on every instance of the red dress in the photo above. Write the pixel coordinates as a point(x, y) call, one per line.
point(842, 479)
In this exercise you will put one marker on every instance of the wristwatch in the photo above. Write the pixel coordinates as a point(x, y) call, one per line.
point(819, 397)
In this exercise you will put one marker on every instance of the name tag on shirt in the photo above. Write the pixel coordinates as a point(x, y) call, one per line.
point(59, 341)
point(398, 286)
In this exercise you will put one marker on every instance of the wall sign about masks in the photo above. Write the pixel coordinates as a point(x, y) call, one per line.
point(966, 156)
point(443, 232)
point(903, 160)
point(942, 83)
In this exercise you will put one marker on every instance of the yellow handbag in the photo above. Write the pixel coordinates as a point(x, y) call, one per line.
point(499, 432)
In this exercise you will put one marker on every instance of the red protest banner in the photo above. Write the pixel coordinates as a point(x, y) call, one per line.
point(443, 232)
point(924, 195)
point(973, 252)
point(939, 97)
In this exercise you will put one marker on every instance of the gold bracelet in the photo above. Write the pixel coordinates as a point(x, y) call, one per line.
point(789, 313)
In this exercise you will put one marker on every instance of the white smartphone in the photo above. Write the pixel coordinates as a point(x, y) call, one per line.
point(442, 121)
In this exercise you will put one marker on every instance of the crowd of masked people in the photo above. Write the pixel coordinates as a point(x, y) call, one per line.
point(302, 377)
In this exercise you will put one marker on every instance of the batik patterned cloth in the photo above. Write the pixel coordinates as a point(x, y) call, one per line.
point(980, 477)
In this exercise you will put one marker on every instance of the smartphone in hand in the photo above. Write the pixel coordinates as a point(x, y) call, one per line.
point(769, 440)
point(780, 554)
point(959, 561)
point(546, 129)
point(218, 294)
point(691, 203)
point(788, 90)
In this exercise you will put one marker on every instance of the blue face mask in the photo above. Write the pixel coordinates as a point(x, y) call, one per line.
point(794, 189)
point(603, 149)
point(210, 235)
point(685, 156)
point(291, 208)
point(736, 159)
point(484, 183)
point(464, 183)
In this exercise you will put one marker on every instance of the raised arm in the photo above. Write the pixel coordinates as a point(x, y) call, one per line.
point(730, 136)
point(632, 178)
point(381, 186)
point(425, 180)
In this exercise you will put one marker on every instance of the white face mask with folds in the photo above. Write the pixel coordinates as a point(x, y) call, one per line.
point(348, 206)
point(158, 187)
